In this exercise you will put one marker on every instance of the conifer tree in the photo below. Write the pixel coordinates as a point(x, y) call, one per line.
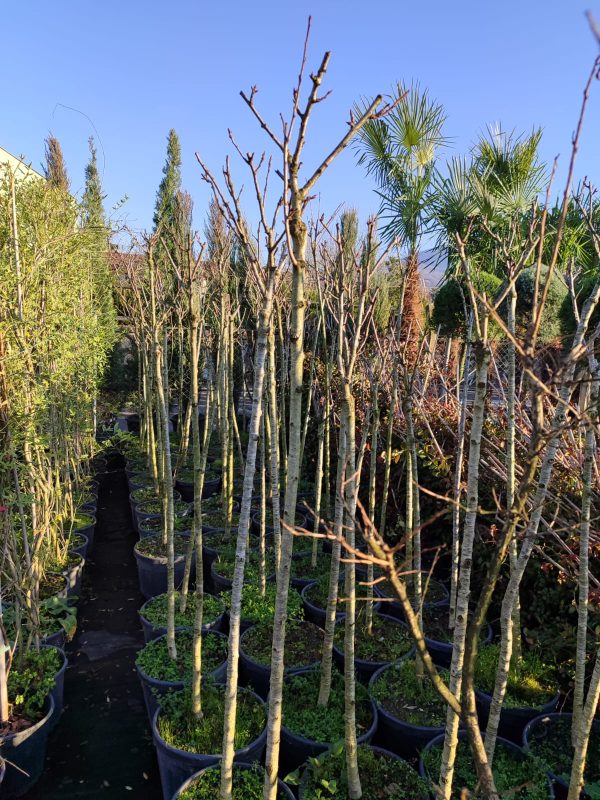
point(55, 168)
point(92, 203)
point(167, 211)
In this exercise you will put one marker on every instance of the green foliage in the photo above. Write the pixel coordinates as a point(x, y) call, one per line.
point(516, 776)
point(382, 777)
point(155, 610)
point(31, 678)
point(303, 643)
point(322, 723)
point(259, 609)
point(388, 641)
point(180, 728)
point(155, 661)
point(55, 168)
point(154, 546)
point(553, 747)
point(248, 784)
point(532, 683)
point(557, 310)
point(451, 298)
point(408, 697)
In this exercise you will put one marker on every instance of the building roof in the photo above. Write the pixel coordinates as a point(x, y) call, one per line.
point(19, 166)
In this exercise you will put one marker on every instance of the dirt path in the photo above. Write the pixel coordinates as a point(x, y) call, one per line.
point(102, 746)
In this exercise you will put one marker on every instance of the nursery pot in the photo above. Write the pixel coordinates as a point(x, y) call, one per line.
point(283, 791)
point(152, 631)
point(405, 739)
point(297, 749)
point(536, 729)
point(312, 612)
point(82, 548)
point(74, 575)
point(59, 686)
point(153, 689)
point(300, 582)
point(152, 573)
point(57, 639)
point(462, 735)
point(394, 607)
point(176, 766)
point(186, 488)
point(512, 720)
point(379, 750)
point(365, 669)
point(87, 530)
point(441, 652)
point(24, 754)
point(258, 676)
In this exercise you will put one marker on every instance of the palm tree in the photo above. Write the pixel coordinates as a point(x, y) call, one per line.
point(400, 152)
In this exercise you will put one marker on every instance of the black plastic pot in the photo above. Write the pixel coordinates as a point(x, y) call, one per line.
point(536, 729)
point(24, 754)
point(462, 735)
point(512, 720)
point(365, 669)
point(441, 652)
point(176, 766)
point(59, 687)
point(87, 531)
point(80, 549)
point(269, 529)
point(186, 488)
point(153, 689)
point(258, 676)
point(152, 573)
point(74, 575)
point(379, 750)
point(297, 749)
point(91, 507)
point(283, 791)
point(152, 632)
point(394, 607)
point(312, 612)
point(404, 739)
point(299, 582)
point(57, 639)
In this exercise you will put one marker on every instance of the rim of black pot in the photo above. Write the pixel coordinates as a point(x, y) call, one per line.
point(288, 670)
point(392, 621)
point(164, 636)
point(383, 711)
point(463, 736)
point(305, 741)
point(33, 728)
point(544, 709)
point(171, 749)
point(237, 765)
point(380, 751)
point(179, 627)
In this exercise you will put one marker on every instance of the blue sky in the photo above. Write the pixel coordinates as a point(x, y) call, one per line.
point(128, 71)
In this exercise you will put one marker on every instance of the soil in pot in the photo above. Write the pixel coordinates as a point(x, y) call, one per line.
point(324, 724)
point(383, 776)
point(531, 684)
point(413, 700)
point(303, 643)
point(517, 776)
point(154, 547)
point(30, 680)
point(388, 639)
point(80, 522)
point(180, 728)
point(155, 662)
point(248, 784)
point(548, 738)
point(155, 610)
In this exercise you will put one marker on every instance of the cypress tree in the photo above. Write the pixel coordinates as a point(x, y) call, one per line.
point(92, 203)
point(55, 168)
point(165, 210)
